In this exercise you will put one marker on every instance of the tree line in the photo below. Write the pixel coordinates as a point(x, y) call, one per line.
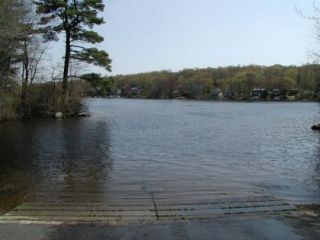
point(29, 87)
point(235, 82)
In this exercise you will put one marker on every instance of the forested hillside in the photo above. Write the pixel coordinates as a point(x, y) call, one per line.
point(234, 82)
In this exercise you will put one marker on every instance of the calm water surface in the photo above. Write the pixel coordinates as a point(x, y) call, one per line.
point(154, 144)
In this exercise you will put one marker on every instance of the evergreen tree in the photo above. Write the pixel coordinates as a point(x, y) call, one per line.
point(11, 33)
point(74, 18)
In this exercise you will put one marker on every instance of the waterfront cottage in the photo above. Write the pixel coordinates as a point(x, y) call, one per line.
point(258, 93)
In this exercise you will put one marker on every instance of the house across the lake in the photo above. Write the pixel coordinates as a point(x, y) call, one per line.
point(228, 95)
point(217, 93)
point(292, 94)
point(259, 93)
point(275, 94)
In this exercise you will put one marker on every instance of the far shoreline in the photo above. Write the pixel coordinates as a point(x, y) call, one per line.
point(208, 100)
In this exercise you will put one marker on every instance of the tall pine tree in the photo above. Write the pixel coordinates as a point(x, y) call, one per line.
point(76, 19)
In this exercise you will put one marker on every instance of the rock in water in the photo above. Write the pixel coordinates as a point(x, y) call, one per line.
point(316, 127)
point(83, 114)
point(58, 115)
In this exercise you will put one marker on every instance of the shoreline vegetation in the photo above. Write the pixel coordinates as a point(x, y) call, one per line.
point(32, 86)
point(275, 83)
point(241, 83)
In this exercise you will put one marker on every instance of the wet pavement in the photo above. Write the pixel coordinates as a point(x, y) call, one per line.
point(268, 228)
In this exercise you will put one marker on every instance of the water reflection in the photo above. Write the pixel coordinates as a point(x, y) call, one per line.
point(18, 166)
point(87, 159)
point(68, 155)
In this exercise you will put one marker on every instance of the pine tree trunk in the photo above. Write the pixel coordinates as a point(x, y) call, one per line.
point(66, 64)
point(25, 78)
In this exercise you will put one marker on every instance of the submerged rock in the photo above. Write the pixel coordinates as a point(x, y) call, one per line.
point(58, 115)
point(316, 127)
point(83, 114)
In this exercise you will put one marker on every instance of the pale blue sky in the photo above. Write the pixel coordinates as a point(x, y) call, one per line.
point(148, 35)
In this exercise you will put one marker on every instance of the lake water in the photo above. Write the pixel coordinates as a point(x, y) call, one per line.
point(149, 145)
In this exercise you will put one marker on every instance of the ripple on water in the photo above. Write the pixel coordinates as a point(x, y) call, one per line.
point(152, 144)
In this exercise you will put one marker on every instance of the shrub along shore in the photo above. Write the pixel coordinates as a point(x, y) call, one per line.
point(42, 101)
